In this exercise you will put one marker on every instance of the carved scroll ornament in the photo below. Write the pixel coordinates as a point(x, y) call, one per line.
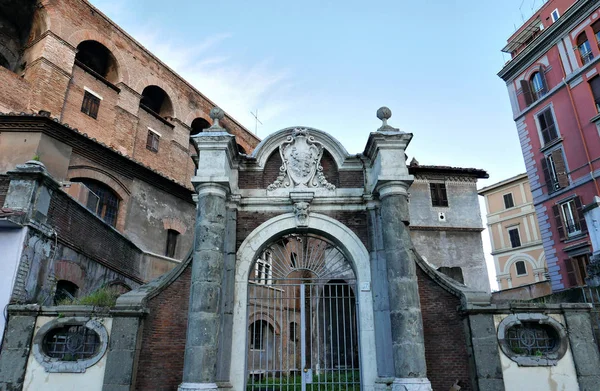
point(301, 168)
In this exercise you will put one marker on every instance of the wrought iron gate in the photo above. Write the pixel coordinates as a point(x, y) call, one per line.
point(302, 318)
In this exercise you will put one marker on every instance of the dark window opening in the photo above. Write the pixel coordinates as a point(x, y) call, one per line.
point(4, 62)
point(532, 339)
point(595, 86)
point(453, 272)
point(106, 203)
point(515, 239)
point(259, 335)
point(294, 332)
point(156, 100)
point(16, 19)
point(90, 105)
point(198, 126)
point(95, 56)
point(172, 237)
point(152, 141)
point(521, 268)
point(438, 194)
point(547, 126)
point(65, 290)
point(71, 343)
point(508, 201)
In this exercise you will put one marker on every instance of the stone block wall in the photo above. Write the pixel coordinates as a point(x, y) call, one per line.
point(445, 341)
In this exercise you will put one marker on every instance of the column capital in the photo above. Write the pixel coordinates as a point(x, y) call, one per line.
point(390, 188)
point(217, 152)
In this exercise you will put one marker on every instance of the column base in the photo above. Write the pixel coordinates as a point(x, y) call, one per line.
point(197, 386)
point(411, 384)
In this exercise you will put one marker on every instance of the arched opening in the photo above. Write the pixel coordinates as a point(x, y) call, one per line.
point(453, 272)
point(156, 100)
point(101, 200)
point(538, 85)
point(95, 57)
point(241, 149)
point(65, 291)
point(304, 280)
point(584, 47)
point(198, 125)
point(16, 17)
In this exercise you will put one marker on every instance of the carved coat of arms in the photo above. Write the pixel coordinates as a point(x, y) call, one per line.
point(301, 156)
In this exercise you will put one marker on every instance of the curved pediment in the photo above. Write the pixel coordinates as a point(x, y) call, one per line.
point(273, 141)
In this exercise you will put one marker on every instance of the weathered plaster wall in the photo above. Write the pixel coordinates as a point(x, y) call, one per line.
point(36, 378)
point(11, 243)
point(151, 212)
point(543, 378)
point(454, 248)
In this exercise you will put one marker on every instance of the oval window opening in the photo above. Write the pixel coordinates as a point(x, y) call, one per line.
point(532, 339)
point(71, 343)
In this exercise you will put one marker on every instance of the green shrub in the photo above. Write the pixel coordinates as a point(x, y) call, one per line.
point(103, 297)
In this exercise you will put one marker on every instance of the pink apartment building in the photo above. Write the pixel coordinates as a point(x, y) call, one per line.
point(553, 82)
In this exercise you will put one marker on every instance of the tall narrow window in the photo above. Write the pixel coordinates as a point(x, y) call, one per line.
point(521, 268)
point(555, 15)
point(569, 218)
point(90, 105)
point(152, 141)
point(538, 85)
point(515, 239)
point(585, 49)
point(595, 86)
point(555, 171)
point(508, 201)
point(547, 126)
point(262, 268)
point(172, 237)
point(439, 196)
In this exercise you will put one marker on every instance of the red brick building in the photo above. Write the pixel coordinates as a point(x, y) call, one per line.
point(554, 89)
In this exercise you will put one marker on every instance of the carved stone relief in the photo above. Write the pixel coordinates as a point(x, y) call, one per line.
point(301, 168)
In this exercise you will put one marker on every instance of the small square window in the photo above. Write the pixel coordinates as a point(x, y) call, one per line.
point(508, 201)
point(90, 105)
point(515, 239)
point(439, 197)
point(555, 15)
point(152, 141)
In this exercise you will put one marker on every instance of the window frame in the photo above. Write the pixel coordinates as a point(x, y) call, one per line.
point(153, 140)
point(439, 194)
point(171, 246)
point(508, 231)
point(538, 84)
point(263, 269)
point(585, 48)
point(55, 365)
point(512, 200)
point(542, 113)
point(517, 269)
point(555, 180)
point(570, 218)
point(555, 18)
point(90, 104)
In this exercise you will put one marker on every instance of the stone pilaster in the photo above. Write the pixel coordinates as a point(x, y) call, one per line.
point(388, 178)
point(212, 183)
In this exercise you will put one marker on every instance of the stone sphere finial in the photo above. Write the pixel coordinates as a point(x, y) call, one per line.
point(216, 114)
point(384, 113)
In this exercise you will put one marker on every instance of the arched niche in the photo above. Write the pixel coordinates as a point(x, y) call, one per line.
point(156, 100)
point(98, 58)
point(16, 18)
point(198, 125)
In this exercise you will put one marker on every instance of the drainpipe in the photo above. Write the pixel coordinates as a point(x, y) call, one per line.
point(60, 119)
point(585, 146)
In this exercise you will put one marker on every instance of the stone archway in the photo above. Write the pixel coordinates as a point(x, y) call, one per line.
point(356, 254)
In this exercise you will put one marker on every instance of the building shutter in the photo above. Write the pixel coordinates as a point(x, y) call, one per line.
point(579, 215)
point(443, 194)
point(527, 92)
point(559, 224)
point(547, 176)
point(434, 194)
point(551, 126)
point(561, 169)
point(571, 273)
point(595, 86)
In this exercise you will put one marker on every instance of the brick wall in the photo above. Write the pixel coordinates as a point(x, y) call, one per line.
point(248, 221)
point(81, 230)
point(445, 342)
point(4, 182)
point(15, 92)
point(160, 366)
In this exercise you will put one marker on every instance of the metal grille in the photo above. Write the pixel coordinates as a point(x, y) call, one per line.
point(532, 339)
point(302, 318)
point(71, 343)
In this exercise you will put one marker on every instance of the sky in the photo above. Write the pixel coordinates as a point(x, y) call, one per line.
point(331, 64)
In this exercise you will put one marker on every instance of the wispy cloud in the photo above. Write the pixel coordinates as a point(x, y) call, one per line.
point(223, 75)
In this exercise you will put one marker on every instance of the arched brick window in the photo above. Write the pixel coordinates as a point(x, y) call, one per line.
point(65, 290)
point(156, 100)
point(103, 201)
point(16, 18)
point(95, 57)
point(198, 125)
point(538, 85)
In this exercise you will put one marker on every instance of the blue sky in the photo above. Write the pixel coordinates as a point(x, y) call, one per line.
point(332, 64)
